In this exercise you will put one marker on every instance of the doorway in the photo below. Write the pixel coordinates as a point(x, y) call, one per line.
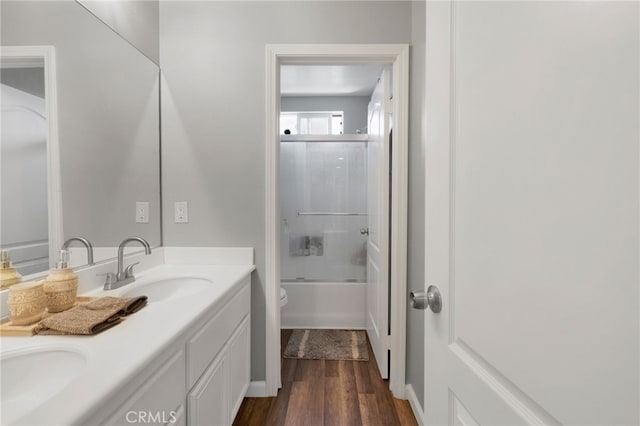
point(395, 58)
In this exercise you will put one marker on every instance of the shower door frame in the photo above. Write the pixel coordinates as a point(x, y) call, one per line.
point(396, 55)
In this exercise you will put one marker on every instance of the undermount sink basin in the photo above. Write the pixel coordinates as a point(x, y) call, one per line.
point(169, 288)
point(31, 377)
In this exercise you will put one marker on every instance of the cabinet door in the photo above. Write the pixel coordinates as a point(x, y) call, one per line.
point(238, 366)
point(207, 342)
point(156, 401)
point(207, 403)
point(178, 417)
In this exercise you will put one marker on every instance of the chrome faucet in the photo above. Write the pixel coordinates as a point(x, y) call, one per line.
point(86, 243)
point(124, 277)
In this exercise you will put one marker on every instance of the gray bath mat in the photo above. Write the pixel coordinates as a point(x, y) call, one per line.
point(328, 344)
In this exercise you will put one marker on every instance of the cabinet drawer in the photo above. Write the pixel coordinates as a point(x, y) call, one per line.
point(156, 401)
point(203, 346)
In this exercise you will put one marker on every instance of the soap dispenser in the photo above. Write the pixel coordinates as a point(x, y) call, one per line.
point(61, 285)
point(8, 274)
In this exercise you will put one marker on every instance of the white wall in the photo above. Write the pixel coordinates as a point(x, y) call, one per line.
point(137, 21)
point(354, 107)
point(213, 61)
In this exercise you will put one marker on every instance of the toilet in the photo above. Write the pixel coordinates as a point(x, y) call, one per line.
point(283, 297)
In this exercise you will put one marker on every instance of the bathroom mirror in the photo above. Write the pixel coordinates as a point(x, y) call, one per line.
point(30, 205)
point(107, 129)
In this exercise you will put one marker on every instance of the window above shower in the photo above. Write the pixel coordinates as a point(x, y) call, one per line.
point(312, 123)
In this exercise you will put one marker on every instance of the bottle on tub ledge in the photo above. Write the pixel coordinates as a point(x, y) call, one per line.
point(61, 285)
point(8, 274)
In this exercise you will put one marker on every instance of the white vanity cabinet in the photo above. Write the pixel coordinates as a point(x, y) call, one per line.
point(203, 381)
point(208, 402)
point(238, 366)
point(216, 397)
point(159, 398)
point(218, 358)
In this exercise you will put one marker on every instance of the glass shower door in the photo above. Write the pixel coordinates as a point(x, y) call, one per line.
point(323, 207)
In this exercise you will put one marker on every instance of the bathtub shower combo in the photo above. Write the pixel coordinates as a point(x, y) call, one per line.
point(323, 239)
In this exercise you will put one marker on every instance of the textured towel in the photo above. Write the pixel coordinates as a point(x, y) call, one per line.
point(125, 306)
point(91, 318)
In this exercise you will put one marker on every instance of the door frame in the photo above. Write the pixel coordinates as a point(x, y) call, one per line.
point(54, 186)
point(440, 105)
point(396, 55)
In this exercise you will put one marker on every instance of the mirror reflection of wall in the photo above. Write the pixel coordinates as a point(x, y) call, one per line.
point(108, 124)
point(23, 170)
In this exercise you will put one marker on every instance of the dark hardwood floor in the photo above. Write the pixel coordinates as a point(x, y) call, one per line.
point(325, 392)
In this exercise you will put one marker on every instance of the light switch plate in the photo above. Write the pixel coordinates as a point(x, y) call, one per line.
point(181, 212)
point(142, 212)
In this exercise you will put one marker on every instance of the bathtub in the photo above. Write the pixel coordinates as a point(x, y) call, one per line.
point(339, 305)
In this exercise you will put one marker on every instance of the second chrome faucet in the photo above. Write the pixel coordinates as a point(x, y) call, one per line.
point(84, 242)
point(124, 275)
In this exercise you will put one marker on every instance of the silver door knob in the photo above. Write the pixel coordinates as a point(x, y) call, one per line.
point(364, 231)
point(431, 299)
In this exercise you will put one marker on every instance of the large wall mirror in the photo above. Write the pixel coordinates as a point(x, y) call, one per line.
point(30, 203)
point(108, 152)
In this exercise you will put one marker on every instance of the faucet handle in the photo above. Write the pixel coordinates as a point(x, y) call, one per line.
point(110, 280)
point(128, 273)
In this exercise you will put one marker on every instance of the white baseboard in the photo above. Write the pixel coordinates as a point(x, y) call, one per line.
point(257, 389)
point(416, 406)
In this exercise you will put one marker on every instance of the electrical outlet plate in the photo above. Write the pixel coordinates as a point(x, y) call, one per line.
point(142, 212)
point(181, 209)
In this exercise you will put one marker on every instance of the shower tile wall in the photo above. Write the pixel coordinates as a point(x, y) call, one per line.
point(323, 177)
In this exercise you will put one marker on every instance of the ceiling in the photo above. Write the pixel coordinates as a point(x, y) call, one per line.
point(329, 80)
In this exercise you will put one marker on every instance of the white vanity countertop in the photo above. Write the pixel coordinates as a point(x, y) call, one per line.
point(118, 354)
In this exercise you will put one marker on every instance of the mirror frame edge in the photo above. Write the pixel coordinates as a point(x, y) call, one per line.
point(54, 187)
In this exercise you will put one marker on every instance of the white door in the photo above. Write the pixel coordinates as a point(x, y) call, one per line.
point(378, 150)
point(532, 213)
